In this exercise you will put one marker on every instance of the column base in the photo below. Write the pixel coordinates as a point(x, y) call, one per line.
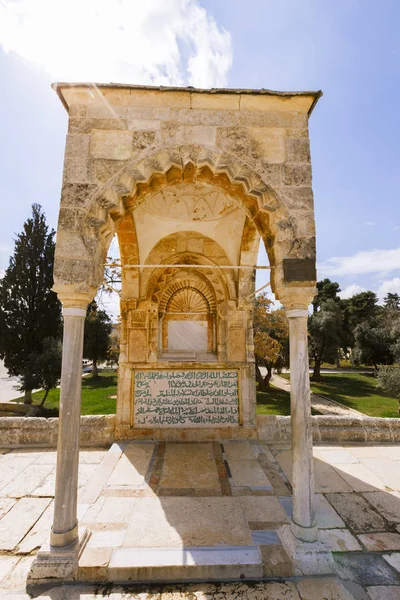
point(308, 558)
point(66, 538)
point(304, 534)
point(53, 564)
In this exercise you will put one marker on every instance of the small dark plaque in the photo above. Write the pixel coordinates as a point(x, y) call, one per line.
point(299, 269)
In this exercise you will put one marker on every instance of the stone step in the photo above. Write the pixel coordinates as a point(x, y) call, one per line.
point(144, 565)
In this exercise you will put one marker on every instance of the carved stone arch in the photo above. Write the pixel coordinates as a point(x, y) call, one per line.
point(224, 288)
point(187, 300)
point(248, 256)
point(129, 253)
point(182, 243)
point(261, 202)
point(192, 281)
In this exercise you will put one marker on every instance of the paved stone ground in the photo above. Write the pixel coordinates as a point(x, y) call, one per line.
point(231, 493)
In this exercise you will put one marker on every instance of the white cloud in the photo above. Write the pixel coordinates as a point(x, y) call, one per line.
point(369, 223)
point(350, 291)
point(2, 273)
point(392, 285)
point(174, 42)
point(367, 261)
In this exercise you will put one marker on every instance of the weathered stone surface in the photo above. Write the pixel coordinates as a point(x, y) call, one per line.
point(16, 578)
point(265, 509)
point(248, 473)
point(297, 175)
point(7, 563)
point(386, 469)
point(378, 542)
point(19, 520)
point(330, 588)
point(388, 592)
point(298, 150)
point(175, 522)
point(365, 569)
point(115, 145)
point(38, 534)
point(93, 563)
point(327, 517)
point(339, 540)
point(190, 466)
point(356, 512)
point(393, 560)
point(131, 469)
point(359, 477)
point(270, 143)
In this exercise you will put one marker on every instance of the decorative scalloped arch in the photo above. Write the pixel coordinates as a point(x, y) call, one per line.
point(193, 282)
point(107, 205)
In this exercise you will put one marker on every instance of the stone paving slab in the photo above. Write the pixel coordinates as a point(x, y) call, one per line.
point(384, 592)
point(323, 589)
point(178, 522)
point(359, 477)
point(378, 542)
point(386, 503)
point(19, 520)
point(36, 537)
point(393, 560)
point(327, 517)
point(354, 514)
point(339, 540)
point(386, 469)
point(326, 477)
point(190, 466)
point(365, 569)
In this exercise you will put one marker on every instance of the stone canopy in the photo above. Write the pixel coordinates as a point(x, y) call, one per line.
point(127, 142)
point(190, 181)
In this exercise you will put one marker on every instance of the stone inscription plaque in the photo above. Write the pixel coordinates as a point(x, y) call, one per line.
point(186, 398)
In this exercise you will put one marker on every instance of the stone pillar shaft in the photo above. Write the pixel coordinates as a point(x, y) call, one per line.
point(303, 520)
point(65, 525)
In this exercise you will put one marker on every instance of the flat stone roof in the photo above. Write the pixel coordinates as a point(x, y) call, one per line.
point(60, 86)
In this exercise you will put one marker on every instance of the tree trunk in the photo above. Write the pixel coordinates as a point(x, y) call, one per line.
point(263, 382)
point(268, 376)
point(95, 371)
point(28, 397)
point(44, 397)
point(317, 370)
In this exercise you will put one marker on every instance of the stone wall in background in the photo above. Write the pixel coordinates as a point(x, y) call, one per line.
point(98, 430)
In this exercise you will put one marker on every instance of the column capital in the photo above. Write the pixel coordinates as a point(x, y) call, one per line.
point(296, 298)
point(293, 313)
point(74, 300)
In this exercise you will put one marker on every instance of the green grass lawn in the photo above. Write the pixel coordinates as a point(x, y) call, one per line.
point(359, 392)
point(356, 391)
point(96, 394)
point(274, 402)
point(345, 365)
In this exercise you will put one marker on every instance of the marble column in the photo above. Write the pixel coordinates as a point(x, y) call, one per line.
point(303, 520)
point(65, 525)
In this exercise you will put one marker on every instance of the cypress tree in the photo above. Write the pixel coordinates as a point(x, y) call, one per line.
point(97, 341)
point(29, 311)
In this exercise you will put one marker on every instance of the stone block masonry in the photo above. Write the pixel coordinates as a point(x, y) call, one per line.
point(99, 430)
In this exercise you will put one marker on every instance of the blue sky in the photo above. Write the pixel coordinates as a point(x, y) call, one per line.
point(348, 48)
